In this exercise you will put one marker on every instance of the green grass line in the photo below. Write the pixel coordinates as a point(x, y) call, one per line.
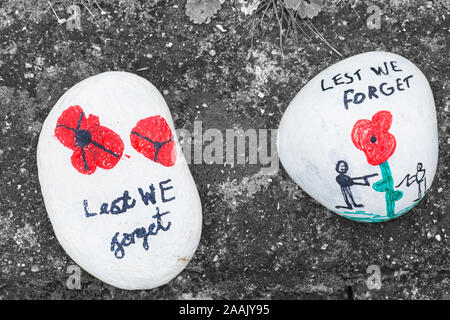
point(372, 217)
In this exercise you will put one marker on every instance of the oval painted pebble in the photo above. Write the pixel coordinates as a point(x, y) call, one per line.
point(116, 186)
point(361, 137)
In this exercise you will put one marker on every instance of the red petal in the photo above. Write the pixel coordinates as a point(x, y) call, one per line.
point(382, 120)
point(66, 125)
point(384, 145)
point(93, 125)
point(106, 147)
point(155, 129)
point(358, 135)
point(86, 164)
point(167, 154)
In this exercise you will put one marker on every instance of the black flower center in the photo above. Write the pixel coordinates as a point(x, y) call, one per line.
point(83, 138)
point(373, 139)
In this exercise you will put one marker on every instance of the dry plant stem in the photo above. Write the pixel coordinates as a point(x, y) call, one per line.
point(252, 33)
point(280, 14)
point(351, 6)
point(318, 34)
point(264, 14)
point(89, 11)
point(289, 24)
point(280, 25)
point(294, 18)
point(54, 12)
point(231, 29)
point(33, 11)
point(63, 3)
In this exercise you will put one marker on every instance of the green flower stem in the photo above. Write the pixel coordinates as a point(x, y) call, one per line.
point(386, 185)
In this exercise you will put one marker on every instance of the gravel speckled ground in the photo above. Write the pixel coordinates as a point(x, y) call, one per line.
point(262, 237)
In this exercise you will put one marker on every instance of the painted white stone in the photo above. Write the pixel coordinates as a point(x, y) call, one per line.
point(315, 133)
point(73, 199)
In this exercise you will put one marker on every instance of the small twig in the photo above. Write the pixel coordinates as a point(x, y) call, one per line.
point(264, 14)
point(101, 10)
point(252, 35)
point(229, 31)
point(54, 12)
point(280, 25)
point(88, 10)
point(295, 19)
point(313, 28)
point(351, 6)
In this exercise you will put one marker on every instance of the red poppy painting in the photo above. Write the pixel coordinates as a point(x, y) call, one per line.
point(93, 145)
point(373, 137)
point(378, 144)
point(153, 138)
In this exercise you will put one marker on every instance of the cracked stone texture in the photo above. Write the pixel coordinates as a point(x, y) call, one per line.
point(263, 237)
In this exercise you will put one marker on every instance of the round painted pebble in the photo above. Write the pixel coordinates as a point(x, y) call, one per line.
point(361, 137)
point(116, 186)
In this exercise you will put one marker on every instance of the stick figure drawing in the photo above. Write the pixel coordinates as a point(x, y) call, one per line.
point(418, 178)
point(345, 182)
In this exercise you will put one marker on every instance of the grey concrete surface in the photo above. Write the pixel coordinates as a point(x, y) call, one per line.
point(263, 237)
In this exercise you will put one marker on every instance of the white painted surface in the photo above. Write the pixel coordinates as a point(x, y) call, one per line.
point(120, 100)
point(315, 132)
